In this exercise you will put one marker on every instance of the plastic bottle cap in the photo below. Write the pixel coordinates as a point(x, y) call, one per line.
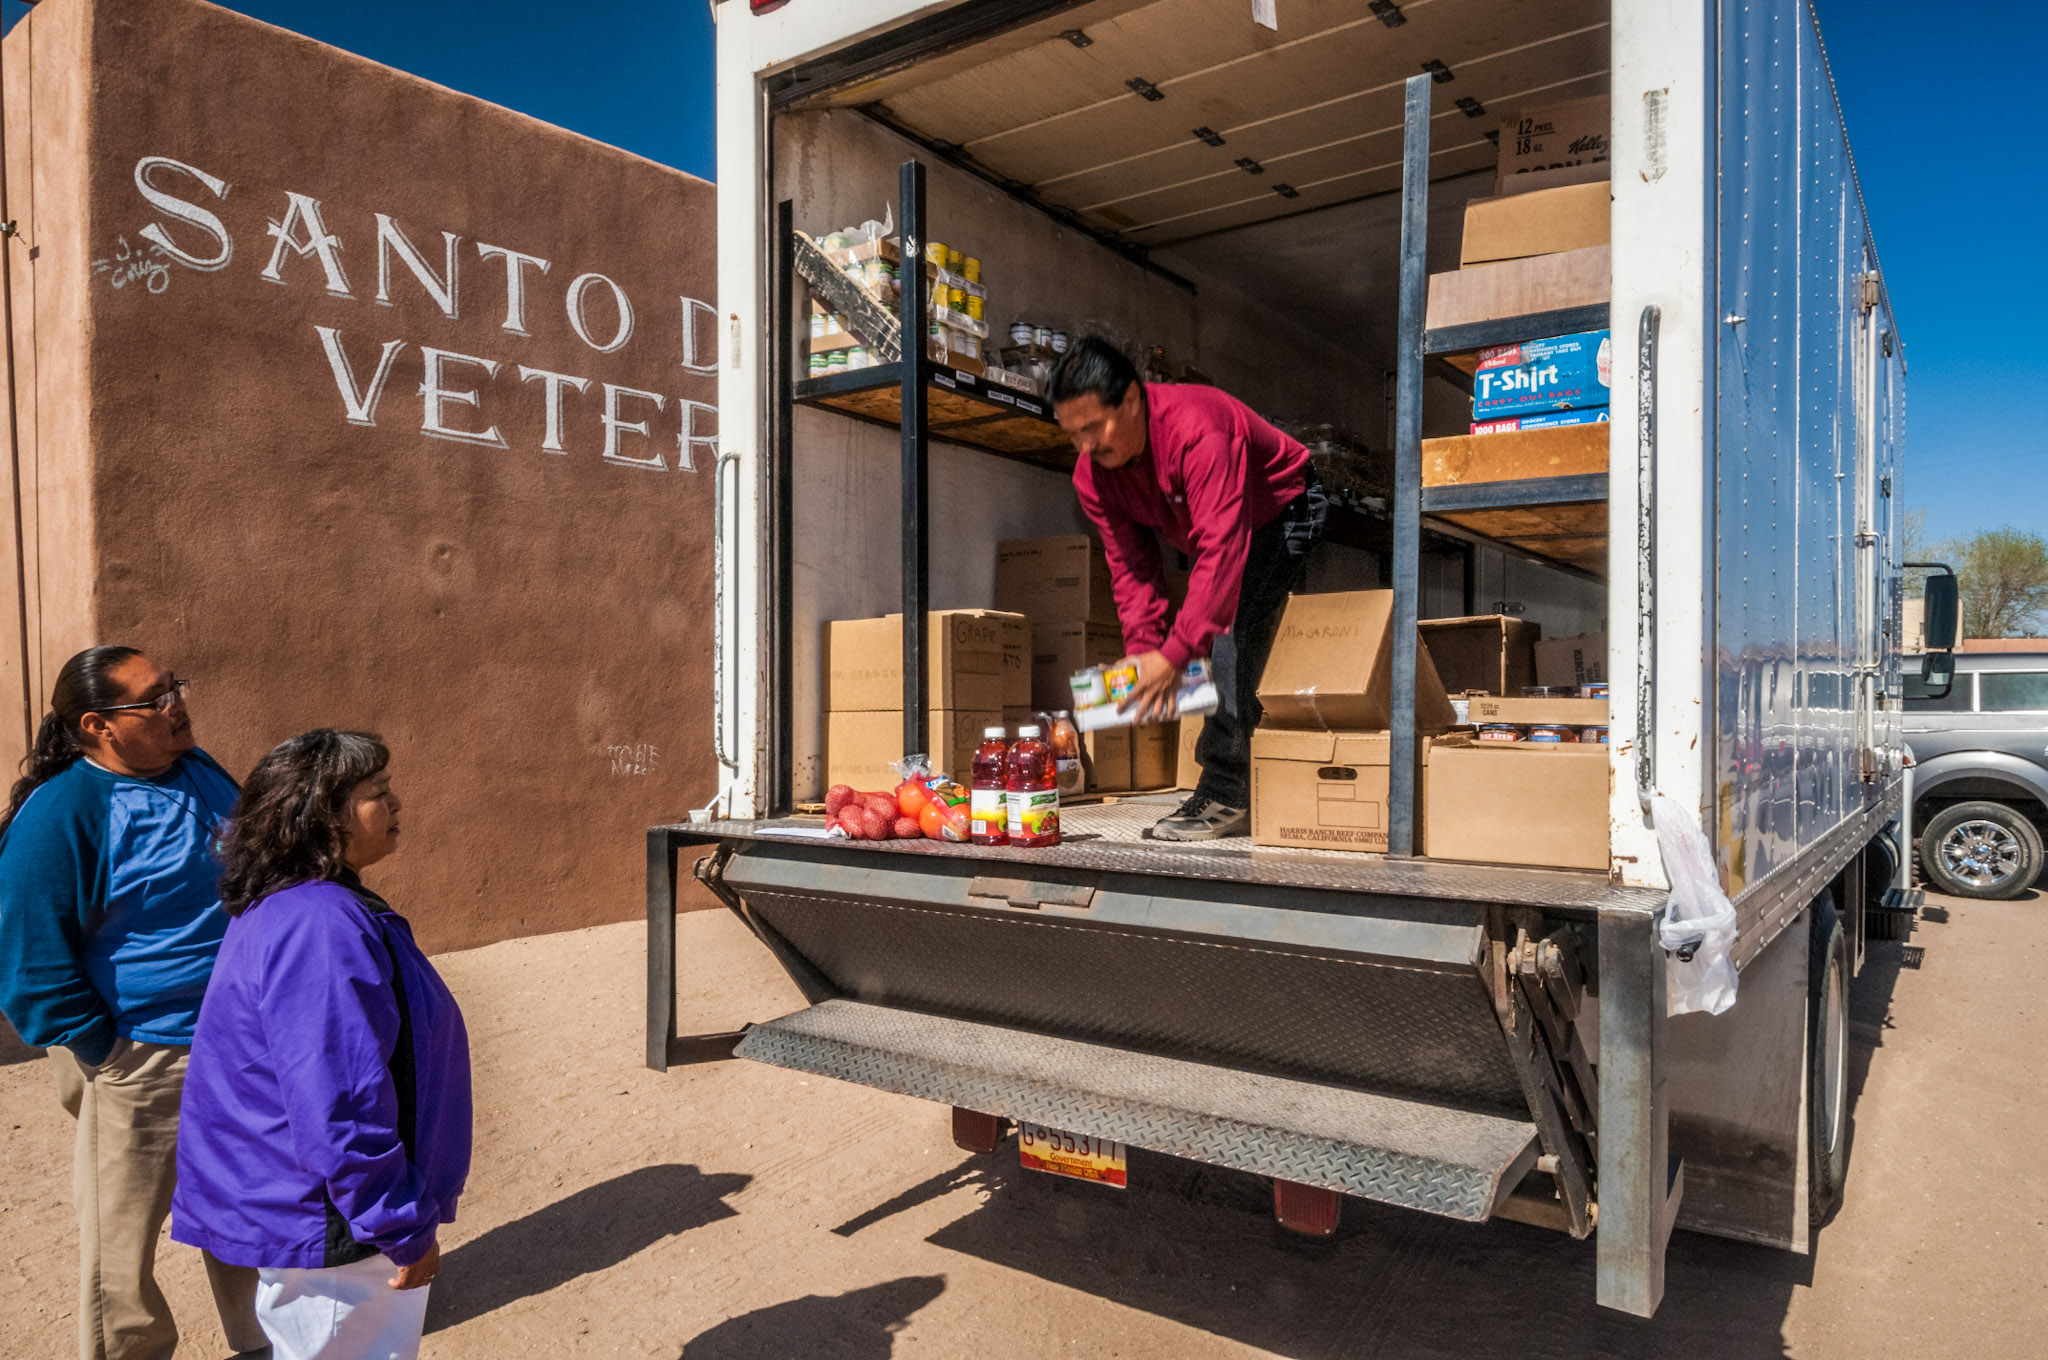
point(992, 734)
point(1029, 730)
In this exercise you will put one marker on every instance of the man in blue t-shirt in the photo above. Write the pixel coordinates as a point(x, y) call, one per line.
point(110, 918)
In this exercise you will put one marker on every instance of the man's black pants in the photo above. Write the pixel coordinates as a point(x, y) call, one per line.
point(1276, 566)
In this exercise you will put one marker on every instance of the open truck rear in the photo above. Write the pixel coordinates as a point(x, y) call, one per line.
point(1281, 209)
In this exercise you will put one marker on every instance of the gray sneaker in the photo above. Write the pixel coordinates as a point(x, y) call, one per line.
point(1202, 818)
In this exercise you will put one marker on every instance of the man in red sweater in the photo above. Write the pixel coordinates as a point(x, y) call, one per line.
point(1198, 468)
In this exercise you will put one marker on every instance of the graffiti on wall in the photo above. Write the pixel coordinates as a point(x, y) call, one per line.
point(463, 398)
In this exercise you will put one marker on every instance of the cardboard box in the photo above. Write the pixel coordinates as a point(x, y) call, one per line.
point(965, 657)
point(1490, 653)
point(1155, 755)
point(1545, 222)
point(1552, 137)
point(1541, 805)
point(1556, 177)
point(1559, 374)
point(1560, 451)
point(1063, 579)
point(1332, 667)
point(1106, 754)
point(1541, 420)
point(1016, 632)
point(1060, 649)
point(1188, 772)
point(1554, 712)
point(1321, 790)
point(1535, 283)
point(860, 747)
point(1572, 660)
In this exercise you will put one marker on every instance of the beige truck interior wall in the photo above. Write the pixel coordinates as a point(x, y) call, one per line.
point(47, 597)
point(528, 627)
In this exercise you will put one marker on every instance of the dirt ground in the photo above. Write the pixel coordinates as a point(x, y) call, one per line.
point(735, 1211)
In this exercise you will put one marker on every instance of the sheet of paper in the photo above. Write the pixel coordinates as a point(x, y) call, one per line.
point(1265, 12)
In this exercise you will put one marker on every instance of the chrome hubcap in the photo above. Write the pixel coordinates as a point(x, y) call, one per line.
point(1981, 854)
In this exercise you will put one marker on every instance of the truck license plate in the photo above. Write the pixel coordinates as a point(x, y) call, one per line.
point(1079, 1155)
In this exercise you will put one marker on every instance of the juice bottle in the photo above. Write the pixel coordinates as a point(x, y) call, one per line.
point(988, 804)
point(1033, 791)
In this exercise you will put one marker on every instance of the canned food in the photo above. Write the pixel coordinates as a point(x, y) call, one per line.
point(1549, 692)
point(936, 253)
point(1059, 342)
point(954, 259)
point(970, 269)
point(858, 358)
point(835, 362)
point(1595, 689)
point(972, 305)
point(1020, 332)
point(1598, 734)
point(1503, 732)
point(964, 343)
point(818, 320)
point(818, 365)
point(1545, 733)
point(1042, 335)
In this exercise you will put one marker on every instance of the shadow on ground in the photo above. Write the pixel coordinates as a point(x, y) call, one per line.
point(1197, 1245)
point(591, 1230)
point(860, 1324)
point(12, 1049)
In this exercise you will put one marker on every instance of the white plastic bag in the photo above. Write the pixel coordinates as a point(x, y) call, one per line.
point(1698, 929)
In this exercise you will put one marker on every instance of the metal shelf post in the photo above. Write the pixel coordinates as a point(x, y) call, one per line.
point(916, 452)
point(1407, 505)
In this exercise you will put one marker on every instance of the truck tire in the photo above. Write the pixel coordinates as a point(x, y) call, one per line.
point(1827, 1064)
point(1980, 849)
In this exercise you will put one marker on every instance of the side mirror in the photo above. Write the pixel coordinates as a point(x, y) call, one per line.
point(1941, 610)
point(1938, 669)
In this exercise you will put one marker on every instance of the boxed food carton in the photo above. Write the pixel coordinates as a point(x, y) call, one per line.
point(1526, 803)
point(1551, 139)
point(1322, 790)
point(1062, 579)
point(1060, 648)
point(1155, 755)
point(1487, 654)
point(1188, 771)
point(1573, 660)
point(1546, 712)
point(1106, 754)
point(1542, 420)
point(861, 746)
point(968, 655)
point(1563, 373)
point(1332, 667)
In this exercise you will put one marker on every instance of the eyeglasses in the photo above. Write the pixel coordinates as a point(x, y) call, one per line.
point(163, 703)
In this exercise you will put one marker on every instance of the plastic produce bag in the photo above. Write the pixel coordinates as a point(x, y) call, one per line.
point(1698, 929)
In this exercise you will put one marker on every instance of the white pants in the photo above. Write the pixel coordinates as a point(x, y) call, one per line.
point(342, 1313)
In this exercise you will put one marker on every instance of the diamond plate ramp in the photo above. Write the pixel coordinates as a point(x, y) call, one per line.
point(1418, 1156)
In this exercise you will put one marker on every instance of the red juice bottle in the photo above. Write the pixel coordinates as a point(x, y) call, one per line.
point(1033, 792)
point(988, 798)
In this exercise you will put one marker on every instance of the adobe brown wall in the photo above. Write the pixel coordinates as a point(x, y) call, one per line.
point(209, 467)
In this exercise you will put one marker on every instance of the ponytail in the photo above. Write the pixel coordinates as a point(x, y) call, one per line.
point(85, 683)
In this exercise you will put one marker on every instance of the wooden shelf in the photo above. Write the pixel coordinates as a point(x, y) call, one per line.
point(1542, 492)
point(960, 408)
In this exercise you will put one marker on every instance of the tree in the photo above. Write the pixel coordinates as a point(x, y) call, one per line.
point(2004, 582)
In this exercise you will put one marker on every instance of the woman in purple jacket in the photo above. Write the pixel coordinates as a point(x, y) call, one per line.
point(325, 1132)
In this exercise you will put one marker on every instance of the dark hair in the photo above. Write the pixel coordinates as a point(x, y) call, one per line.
point(290, 825)
point(84, 684)
point(1094, 366)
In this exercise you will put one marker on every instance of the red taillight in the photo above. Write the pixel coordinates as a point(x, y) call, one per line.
point(766, 6)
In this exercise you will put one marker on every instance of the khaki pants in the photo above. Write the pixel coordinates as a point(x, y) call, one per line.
point(123, 1169)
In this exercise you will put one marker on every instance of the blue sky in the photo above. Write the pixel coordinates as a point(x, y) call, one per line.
point(1958, 211)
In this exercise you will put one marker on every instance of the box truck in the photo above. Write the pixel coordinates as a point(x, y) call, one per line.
point(1317, 210)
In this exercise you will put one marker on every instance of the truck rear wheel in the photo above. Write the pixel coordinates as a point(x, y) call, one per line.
point(1980, 849)
point(1827, 1064)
